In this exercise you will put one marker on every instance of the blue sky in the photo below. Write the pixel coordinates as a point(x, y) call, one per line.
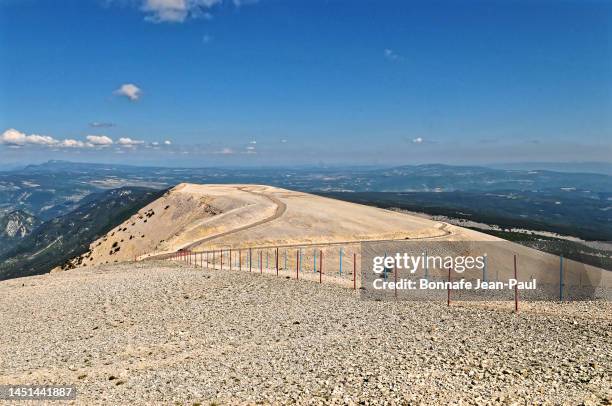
point(213, 82)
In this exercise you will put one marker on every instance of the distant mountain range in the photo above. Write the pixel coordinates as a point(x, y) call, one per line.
point(49, 213)
point(603, 168)
point(56, 187)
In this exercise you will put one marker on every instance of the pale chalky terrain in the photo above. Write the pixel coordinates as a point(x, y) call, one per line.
point(165, 333)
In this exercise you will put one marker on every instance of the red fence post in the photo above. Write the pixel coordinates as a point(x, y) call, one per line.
point(395, 284)
point(516, 299)
point(354, 271)
point(449, 289)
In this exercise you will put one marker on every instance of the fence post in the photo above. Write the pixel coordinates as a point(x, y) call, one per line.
point(515, 287)
point(297, 264)
point(260, 262)
point(560, 278)
point(314, 260)
point(340, 261)
point(395, 280)
point(354, 271)
point(484, 269)
point(230, 258)
point(449, 289)
point(321, 266)
point(276, 261)
point(240, 259)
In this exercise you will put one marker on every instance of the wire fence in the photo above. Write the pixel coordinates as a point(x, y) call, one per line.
point(322, 263)
point(349, 264)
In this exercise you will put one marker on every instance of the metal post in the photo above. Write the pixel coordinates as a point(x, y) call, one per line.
point(484, 269)
point(515, 287)
point(321, 266)
point(340, 261)
point(560, 278)
point(314, 260)
point(449, 290)
point(395, 280)
point(354, 271)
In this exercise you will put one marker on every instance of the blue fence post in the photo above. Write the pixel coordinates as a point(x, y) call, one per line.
point(560, 278)
point(301, 260)
point(384, 267)
point(340, 261)
point(314, 260)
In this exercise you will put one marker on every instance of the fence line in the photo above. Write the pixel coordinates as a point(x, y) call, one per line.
point(331, 263)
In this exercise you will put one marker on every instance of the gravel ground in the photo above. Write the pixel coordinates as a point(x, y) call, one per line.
point(163, 333)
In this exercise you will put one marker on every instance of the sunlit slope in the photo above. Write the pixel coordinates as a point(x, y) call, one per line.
point(197, 216)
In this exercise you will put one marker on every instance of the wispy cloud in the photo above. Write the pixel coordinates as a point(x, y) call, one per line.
point(391, 55)
point(207, 39)
point(129, 90)
point(417, 140)
point(101, 124)
point(178, 11)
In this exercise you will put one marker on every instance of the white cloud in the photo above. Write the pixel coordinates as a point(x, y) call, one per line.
point(128, 142)
point(283, 141)
point(129, 90)
point(176, 11)
point(226, 151)
point(155, 143)
point(391, 54)
point(167, 142)
point(417, 140)
point(69, 143)
point(99, 140)
point(17, 138)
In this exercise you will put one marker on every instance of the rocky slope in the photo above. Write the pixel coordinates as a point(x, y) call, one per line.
point(14, 227)
point(56, 241)
point(162, 333)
